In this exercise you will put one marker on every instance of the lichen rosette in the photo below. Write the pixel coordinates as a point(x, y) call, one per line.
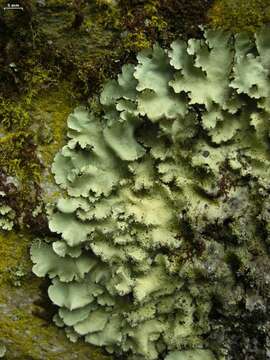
point(182, 146)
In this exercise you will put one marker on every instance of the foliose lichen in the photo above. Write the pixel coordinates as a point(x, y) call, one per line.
point(166, 198)
point(58, 50)
point(2, 350)
point(6, 214)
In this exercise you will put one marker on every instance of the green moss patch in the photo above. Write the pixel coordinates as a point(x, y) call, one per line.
point(239, 15)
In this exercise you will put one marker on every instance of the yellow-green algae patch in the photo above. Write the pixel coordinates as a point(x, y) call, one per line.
point(23, 330)
point(239, 15)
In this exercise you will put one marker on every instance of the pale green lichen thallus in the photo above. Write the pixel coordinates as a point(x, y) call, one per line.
point(181, 149)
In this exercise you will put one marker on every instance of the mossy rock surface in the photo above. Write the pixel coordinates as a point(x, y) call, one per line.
point(240, 15)
point(49, 63)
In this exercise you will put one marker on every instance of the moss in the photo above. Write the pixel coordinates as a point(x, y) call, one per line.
point(32, 131)
point(13, 115)
point(240, 15)
point(14, 146)
point(12, 255)
point(49, 113)
point(136, 41)
point(20, 172)
point(49, 48)
point(183, 18)
point(145, 22)
point(107, 14)
point(38, 339)
point(30, 337)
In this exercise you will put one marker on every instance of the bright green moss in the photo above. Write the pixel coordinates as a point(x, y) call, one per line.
point(136, 42)
point(13, 116)
point(14, 159)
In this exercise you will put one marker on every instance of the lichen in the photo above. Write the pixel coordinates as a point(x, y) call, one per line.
point(46, 66)
point(165, 197)
point(26, 329)
point(2, 350)
point(190, 355)
point(7, 215)
point(43, 53)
